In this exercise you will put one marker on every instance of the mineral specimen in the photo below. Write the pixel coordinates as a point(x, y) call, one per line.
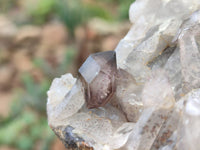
point(98, 75)
point(156, 79)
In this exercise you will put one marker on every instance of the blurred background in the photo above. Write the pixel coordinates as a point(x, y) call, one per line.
point(41, 40)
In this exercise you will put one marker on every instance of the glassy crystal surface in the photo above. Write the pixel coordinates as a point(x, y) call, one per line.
point(144, 98)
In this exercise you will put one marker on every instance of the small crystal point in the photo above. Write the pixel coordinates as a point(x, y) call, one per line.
point(98, 74)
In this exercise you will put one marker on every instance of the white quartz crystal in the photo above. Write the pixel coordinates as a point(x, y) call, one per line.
point(65, 98)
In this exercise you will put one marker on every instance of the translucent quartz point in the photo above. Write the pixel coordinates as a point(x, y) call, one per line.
point(173, 71)
point(189, 41)
point(190, 59)
point(128, 95)
point(65, 98)
point(98, 75)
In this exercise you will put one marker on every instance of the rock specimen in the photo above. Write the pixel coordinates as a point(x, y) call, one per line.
point(156, 103)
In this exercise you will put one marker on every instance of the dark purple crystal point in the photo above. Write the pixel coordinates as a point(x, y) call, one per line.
point(98, 74)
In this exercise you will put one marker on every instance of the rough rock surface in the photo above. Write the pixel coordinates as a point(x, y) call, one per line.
point(157, 101)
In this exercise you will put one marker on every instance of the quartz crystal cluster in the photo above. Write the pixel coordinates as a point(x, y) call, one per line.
point(147, 97)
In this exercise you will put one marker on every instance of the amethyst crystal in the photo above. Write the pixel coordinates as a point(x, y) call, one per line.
point(98, 75)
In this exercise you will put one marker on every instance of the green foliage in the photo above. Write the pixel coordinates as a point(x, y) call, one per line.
point(42, 11)
point(25, 142)
point(74, 13)
point(9, 132)
point(35, 94)
point(92, 10)
point(27, 123)
point(25, 130)
point(122, 7)
point(70, 12)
